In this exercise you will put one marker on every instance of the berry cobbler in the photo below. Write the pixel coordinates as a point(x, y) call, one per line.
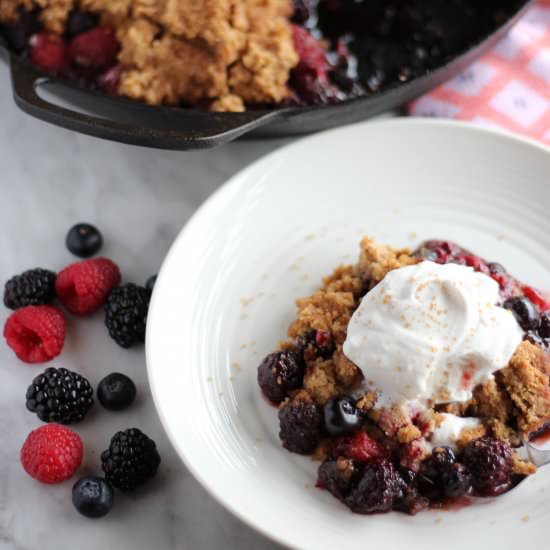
point(230, 55)
point(414, 378)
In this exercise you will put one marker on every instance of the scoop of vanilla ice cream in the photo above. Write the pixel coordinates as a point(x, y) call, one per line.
point(430, 333)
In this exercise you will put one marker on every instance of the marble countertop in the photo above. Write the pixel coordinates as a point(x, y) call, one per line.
point(140, 198)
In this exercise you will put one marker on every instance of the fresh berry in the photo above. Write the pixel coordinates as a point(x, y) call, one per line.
point(131, 460)
point(109, 80)
point(84, 240)
point(35, 333)
point(315, 344)
point(84, 286)
point(17, 35)
point(490, 462)
point(80, 22)
point(96, 48)
point(536, 297)
point(300, 423)
point(93, 497)
point(456, 481)
point(52, 453)
point(126, 311)
point(32, 288)
point(336, 476)
point(376, 490)
point(524, 311)
point(363, 448)
point(60, 395)
point(441, 459)
point(279, 373)
point(49, 52)
point(150, 284)
point(116, 392)
point(341, 417)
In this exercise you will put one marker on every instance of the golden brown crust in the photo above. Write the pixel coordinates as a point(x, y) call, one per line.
point(231, 52)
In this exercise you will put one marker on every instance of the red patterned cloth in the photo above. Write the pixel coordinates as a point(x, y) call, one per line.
point(507, 88)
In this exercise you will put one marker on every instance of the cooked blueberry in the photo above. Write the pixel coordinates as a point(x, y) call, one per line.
point(279, 373)
point(84, 240)
point(410, 500)
point(17, 35)
point(81, 21)
point(441, 459)
point(544, 326)
point(116, 392)
point(300, 426)
point(342, 417)
point(490, 463)
point(456, 481)
point(377, 488)
point(93, 497)
point(524, 311)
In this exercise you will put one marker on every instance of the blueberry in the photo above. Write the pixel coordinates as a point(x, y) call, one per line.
point(150, 284)
point(81, 21)
point(341, 417)
point(116, 392)
point(84, 240)
point(441, 459)
point(544, 326)
point(93, 496)
point(456, 481)
point(17, 35)
point(525, 312)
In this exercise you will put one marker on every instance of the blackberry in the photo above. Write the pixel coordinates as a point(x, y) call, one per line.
point(131, 460)
point(544, 326)
point(150, 284)
point(524, 311)
point(34, 287)
point(336, 476)
point(315, 344)
point(84, 240)
point(490, 463)
point(80, 21)
point(378, 487)
point(409, 499)
point(126, 311)
point(93, 497)
point(300, 423)
point(341, 417)
point(456, 481)
point(279, 373)
point(59, 395)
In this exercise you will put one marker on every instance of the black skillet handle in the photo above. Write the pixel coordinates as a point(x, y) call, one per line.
point(177, 129)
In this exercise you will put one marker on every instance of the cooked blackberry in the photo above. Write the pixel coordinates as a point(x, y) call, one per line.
point(126, 311)
point(279, 373)
point(441, 459)
point(31, 288)
point(81, 21)
point(300, 423)
point(409, 500)
point(490, 463)
point(377, 488)
point(336, 476)
point(131, 460)
point(60, 395)
point(456, 481)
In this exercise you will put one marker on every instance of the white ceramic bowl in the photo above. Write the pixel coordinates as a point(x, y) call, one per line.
point(226, 294)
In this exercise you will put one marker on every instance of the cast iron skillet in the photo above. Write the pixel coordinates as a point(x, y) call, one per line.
point(136, 123)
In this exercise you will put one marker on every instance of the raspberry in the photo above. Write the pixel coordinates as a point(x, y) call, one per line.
point(110, 79)
point(363, 448)
point(35, 333)
point(52, 453)
point(84, 286)
point(49, 52)
point(95, 48)
point(536, 297)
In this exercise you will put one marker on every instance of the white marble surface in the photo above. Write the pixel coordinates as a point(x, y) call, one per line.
point(50, 179)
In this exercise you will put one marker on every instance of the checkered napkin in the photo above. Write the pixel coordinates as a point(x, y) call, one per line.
point(507, 88)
